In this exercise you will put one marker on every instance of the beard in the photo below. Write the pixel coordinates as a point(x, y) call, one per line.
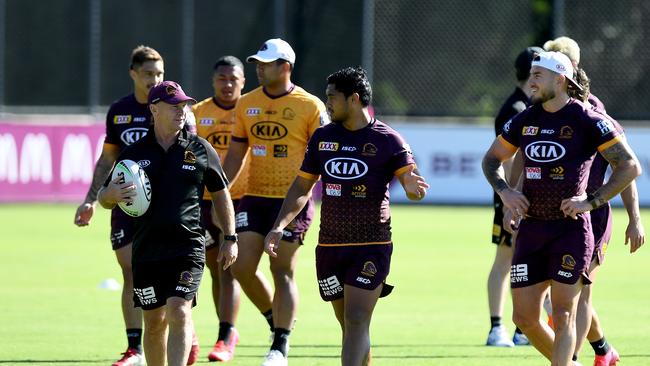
point(540, 98)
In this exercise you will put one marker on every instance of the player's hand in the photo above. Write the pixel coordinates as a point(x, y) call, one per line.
point(119, 192)
point(414, 185)
point(272, 242)
point(635, 235)
point(511, 221)
point(228, 251)
point(573, 206)
point(514, 201)
point(84, 213)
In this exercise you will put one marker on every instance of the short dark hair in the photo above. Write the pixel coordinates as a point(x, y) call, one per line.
point(523, 61)
point(142, 54)
point(352, 80)
point(228, 61)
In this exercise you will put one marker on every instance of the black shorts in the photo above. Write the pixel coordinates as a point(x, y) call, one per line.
point(212, 231)
point(363, 266)
point(499, 234)
point(258, 214)
point(122, 228)
point(155, 282)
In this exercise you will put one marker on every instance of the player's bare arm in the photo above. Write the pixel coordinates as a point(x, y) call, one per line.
point(625, 167)
point(234, 159)
point(414, 184)
point(494, 173)
point(225, 214)
point(103, 167)
point(116, 192)
point(296, 199)
point(635, 233)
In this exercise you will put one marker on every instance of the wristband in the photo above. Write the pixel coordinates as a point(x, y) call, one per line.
point(592, 201)
point(234, 238)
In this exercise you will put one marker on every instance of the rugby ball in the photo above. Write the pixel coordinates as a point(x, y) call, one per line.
point(130, 172)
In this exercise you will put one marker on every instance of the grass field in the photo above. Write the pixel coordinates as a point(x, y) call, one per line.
point(53, 313)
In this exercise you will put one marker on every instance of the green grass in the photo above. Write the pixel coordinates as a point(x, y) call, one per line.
point(53, 313)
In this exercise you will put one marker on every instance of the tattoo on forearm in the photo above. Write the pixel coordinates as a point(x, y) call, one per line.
point(99, 176)
point(494, 173)
point(624, 170)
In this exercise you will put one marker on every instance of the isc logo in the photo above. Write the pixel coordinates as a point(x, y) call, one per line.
point(268, 130)
point(133, 134)
point(544, 151)
point(346, 168)
point(219, 140)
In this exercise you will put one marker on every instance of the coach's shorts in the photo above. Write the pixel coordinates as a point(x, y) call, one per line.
point(122, 228)
point(155, 282)
point(601, 224)
point(212, 231)
point(558, 250)
point(363, 266)
point(258, 214)
point(499, 234)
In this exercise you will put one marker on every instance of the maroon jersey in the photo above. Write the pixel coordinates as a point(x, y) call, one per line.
point(599, 166)
point(355, 167)
point(558, 152)
point(127, 121)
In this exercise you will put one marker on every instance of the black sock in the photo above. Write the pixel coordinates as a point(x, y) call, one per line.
point(574, 358)
point(495, 321)
point(281, 341)
point(518, 331)
point(134, 337)
point(268, 315)
point(601, 347)
point(225, 329)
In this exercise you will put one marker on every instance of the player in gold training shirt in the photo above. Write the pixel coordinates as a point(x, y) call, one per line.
point(215, 117)
point(273, 123)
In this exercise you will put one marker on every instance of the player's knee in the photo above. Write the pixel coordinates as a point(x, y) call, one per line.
point(155, 324)
point(562, 318)
point(357, 319)
point(524, 320)
point(282, 273)
point(178, 313)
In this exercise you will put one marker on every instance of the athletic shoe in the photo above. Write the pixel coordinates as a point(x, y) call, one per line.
point(194, 351)
point(520, 339)
point(275, 358)
point(576, 363)
point(130, 358)
point(222, 352)
point(610, 359)
point(499, 337)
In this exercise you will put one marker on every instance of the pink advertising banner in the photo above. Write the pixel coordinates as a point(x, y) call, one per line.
point(47, 162)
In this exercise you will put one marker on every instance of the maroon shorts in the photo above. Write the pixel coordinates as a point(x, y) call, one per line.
point(601, 224)
point(363, 266)
point(155, 282)
point(212, 231)
point(558, 250)
point(122, 228)
point(258, 214)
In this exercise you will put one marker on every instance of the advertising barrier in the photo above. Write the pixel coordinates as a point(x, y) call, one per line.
point(48, 162)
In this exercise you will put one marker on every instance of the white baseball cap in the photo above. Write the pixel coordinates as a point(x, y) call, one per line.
point(558, 63)
point(274, 49)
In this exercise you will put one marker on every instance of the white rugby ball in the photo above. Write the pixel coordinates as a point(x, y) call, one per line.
point(129, 171)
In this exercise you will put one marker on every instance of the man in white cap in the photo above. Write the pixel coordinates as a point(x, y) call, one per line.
point(274, 122)
point(559, 137)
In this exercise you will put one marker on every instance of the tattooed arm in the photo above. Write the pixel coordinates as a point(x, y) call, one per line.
point(103, 167)
point(625, 167)
point(493, 169)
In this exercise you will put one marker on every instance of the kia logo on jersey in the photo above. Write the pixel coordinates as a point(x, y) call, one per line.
point(544, 151)
point(346, 168)
point(133, 134)
point(268, 130)
point(220, 140)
